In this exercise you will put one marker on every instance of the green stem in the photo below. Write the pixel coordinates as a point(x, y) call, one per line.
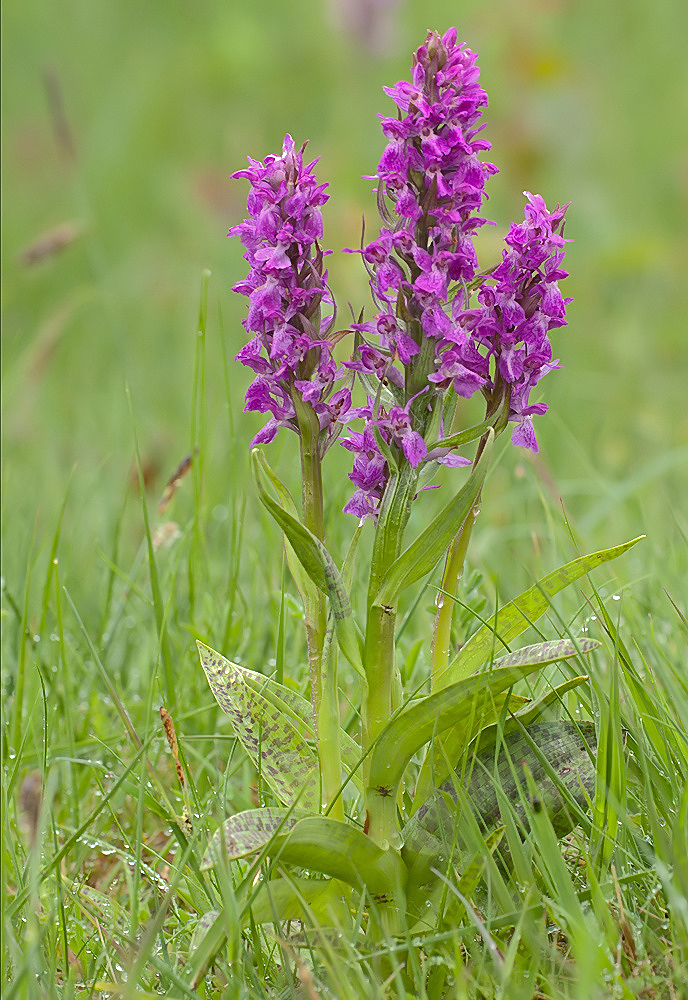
point(312, 513)
point(322, 655)
point(329, 730)
point(456, 556)
point(382, 689)
point(453, 569)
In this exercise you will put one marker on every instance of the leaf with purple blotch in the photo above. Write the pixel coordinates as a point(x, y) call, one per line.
point(559, 756)
point(271, 739)
point(247, 833)
point(448, 746)
point(300, 713)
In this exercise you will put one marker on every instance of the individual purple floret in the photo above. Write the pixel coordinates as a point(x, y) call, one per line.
point(287, 287)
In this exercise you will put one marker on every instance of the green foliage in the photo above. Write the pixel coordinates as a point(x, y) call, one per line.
point(273, 726)
point(427, 549)
point(317, 563)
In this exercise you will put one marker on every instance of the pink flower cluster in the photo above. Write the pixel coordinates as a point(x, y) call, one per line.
point(440, 323)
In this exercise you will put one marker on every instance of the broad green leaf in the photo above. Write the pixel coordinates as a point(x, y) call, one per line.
point(321, 844)
point(271, 739)
point(296, 897)
point(531, 712)
point(247, 833)
point(515, 617)
point(320, 567)
point(415, 725)
point(422, 555)
point(449, 747)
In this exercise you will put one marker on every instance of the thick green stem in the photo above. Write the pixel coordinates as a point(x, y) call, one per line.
point(456, 556)
point(382, 684)
point(329, 731)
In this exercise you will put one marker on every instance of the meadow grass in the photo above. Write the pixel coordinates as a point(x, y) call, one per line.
point(102, 844)
point(102, 596)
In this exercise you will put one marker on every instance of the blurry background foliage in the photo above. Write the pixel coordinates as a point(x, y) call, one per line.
point(122, 122)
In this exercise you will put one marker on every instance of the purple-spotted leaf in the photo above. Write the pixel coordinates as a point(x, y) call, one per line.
point(247, 833)
point(446, 748)
point(515, 617)
point(556, 754)
point(272, 739)
point(299, 711)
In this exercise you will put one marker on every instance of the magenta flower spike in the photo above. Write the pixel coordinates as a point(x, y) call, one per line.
point(287, 288)
point(441, 323)
point(430, 190)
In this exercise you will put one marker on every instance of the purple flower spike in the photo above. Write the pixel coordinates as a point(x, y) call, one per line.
point(430, 187)
point(440, 324)
point(430, 190)
point(518, 308)
point(286, 287)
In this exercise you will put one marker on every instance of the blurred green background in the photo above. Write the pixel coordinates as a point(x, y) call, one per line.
point(122, 123)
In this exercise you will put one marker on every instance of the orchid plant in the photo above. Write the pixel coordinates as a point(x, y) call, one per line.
point(443, 330)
